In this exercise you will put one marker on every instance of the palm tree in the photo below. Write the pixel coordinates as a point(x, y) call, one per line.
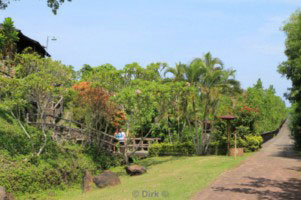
point(208, 75)
point(177, 72)
point(211, 79)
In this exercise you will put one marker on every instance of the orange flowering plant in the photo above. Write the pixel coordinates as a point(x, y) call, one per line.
point(96, 100)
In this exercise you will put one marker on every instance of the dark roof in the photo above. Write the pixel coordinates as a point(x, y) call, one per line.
point(25, 42)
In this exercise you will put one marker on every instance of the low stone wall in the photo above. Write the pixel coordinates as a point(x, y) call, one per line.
point(269, 135)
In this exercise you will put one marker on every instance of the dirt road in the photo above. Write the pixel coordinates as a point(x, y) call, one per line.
point(273, 173)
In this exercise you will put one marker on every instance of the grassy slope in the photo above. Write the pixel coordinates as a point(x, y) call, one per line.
point(10, 133)
point(8, 124)
point(181, 177)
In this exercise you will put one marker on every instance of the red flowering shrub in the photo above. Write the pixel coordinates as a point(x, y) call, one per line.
point(97, 100)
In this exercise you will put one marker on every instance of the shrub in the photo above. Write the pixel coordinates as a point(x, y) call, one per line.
point(12, 137)
point(20, 175)
point(251, 143)
point(245, 139)
point(21, 171)
point(185, 148)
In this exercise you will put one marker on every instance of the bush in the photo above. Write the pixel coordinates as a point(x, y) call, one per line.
point(245, 139)
point(20, 175)
point(30, 174)
point(12, 137)
point(21, 171)
point(185, 148)
point(251, 143)
point(103, 159)
point(294, 124)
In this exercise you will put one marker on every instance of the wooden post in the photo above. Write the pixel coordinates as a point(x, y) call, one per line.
point(229, 130)
point(228, 118)
point(134, 142)
point(235, 149)
point(148, 144)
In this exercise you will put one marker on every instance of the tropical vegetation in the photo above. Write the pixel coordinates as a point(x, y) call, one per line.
point(189, 173)
point(291, 69)
point(181, 105)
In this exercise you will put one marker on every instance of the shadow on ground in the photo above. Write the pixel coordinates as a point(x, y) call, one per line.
point(298, 169)
point(151, 162)
point(287, 151)
point(263, 187)
point(148, 163)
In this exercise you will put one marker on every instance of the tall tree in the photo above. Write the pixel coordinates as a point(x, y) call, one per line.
point(46, 83)
point(292, 69)
point(211, 79)
point(8, 39)
point(177, 72)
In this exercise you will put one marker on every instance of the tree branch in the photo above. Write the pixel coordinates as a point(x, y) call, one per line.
point(21, 125)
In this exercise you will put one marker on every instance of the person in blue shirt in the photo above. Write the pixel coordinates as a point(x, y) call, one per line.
point(120, 137)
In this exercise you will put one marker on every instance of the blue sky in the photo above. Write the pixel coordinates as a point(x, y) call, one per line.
point(245, 34)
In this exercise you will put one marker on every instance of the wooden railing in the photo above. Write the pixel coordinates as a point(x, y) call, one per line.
point(135, 145)
point(108, 142)
point(141, 144)
point(78, 134)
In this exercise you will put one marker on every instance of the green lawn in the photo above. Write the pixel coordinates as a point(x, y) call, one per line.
point(171, 177)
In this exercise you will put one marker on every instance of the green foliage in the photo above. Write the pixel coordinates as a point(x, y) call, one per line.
point(43, 81)
point(139, 103)
point(18, 175)
point(184, 148)
point(250, 122)
point(8, 38)
point(21, 171)
point(291, 69)
point(104, 98)
point(11, 136)
point(58, 167)
point(12, 100)
point(251, 143)
point(295, 124)
point(271, 109)
point(103, 159)
point(191, 174)
point(53, 4)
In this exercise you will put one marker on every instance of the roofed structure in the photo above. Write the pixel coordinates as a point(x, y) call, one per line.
point(25, 42)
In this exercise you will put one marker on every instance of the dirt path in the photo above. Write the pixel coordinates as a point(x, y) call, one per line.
point(273, 173)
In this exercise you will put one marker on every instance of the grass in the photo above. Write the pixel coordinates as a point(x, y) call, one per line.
point(171, 177)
